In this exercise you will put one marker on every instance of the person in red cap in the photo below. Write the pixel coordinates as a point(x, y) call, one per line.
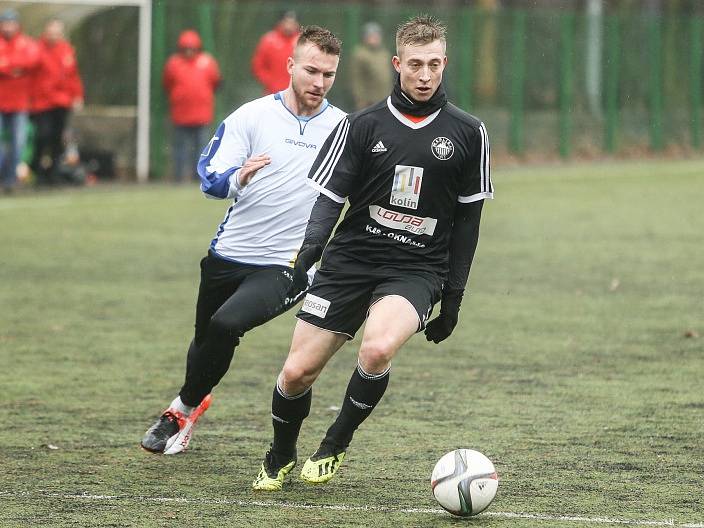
point(19, 56)
point(190, 79)
point(272, 52)
point(56, 90)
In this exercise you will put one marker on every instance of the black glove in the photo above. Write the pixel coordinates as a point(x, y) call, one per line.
point(442, 326)
point(307, 256)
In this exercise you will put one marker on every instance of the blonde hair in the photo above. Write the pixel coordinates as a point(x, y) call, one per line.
point(419, 30)
point(322, 38)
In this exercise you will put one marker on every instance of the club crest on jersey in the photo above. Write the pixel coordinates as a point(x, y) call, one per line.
point(442, 148)
point(405, 191)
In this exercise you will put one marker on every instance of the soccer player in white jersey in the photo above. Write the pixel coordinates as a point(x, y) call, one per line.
point(259, 157)
point(415, 171)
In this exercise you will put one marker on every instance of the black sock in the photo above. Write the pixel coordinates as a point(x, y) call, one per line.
point(364, 391)
point(287, 415)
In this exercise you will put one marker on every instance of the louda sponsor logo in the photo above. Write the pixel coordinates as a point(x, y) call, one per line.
point(417, 225)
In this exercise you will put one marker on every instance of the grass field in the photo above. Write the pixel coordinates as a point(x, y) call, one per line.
point(578, 366)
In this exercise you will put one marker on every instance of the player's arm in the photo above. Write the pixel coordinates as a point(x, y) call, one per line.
point(333, 174)
point(463, 244)
point(475, 188)
point(225, 167)
point(323, 217)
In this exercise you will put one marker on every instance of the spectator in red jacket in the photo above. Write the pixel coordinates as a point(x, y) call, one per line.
point(191, 77)
point(57, 89)
point(272, 52)
point(18, 58)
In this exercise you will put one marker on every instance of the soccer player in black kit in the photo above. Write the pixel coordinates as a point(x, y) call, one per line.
point(415, 170)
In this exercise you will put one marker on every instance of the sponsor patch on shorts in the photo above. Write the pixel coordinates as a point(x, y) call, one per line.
point(315, 305)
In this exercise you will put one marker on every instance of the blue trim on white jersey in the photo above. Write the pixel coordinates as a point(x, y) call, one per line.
point(214, 183)
point(221, 227)
point(302, 120)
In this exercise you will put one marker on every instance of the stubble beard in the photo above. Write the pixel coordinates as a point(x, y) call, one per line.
point(302, 101)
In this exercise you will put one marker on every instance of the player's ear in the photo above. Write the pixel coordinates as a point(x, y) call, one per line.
point(397, 63)
point(289, 65)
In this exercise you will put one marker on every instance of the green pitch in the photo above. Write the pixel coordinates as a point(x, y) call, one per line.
point(578, 366)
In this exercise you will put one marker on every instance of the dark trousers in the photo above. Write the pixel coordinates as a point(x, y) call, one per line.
point(49, 129)
point(233, 298)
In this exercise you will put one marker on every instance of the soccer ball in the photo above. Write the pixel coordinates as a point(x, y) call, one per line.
point(464, 482)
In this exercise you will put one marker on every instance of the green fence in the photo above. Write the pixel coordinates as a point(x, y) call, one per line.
point(523, 71)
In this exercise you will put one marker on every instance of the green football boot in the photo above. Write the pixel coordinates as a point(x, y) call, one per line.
point(272, 474)
point(322, 466)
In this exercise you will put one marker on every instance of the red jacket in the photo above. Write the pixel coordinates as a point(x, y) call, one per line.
point(190, 84)
point(269, 60)
point(19, 57)
point(57, 83)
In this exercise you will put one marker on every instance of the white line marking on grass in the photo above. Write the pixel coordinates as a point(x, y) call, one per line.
point(339, 507)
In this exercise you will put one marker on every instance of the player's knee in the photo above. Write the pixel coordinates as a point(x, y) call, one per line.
point(224, 327)
point(375, 355)
point(296, 378)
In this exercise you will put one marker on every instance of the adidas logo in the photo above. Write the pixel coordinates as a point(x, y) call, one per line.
point(379, 147)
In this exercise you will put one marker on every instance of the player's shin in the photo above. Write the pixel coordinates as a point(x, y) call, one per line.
point(287, 414)
point(364, 392)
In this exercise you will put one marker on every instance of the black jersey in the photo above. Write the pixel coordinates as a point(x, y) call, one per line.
point(403, 180)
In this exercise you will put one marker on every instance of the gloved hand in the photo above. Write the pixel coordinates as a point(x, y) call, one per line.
point(442, 326)
point(307, 256)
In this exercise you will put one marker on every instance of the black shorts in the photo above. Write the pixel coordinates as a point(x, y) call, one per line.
point(340, 301)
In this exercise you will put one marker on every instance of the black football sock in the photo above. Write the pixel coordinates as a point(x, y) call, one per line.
point(364, 391)
point(287, 415)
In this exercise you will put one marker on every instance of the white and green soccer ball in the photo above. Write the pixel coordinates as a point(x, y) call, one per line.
point(464, 482)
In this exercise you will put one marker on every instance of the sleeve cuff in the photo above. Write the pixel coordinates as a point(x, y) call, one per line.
point(475, 197)
point(326, 192)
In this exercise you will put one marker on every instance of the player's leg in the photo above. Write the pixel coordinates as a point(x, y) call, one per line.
point(311, 349)
point(172, 431)
point(391, 322)
point(258, 299)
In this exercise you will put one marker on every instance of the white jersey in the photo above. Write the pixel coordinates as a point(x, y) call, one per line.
point(267, 220)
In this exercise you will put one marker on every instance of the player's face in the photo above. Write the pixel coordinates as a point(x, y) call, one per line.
point(420, 68)
point(312, 75)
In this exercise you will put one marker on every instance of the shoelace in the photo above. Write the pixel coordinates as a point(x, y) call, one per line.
point(174, 417)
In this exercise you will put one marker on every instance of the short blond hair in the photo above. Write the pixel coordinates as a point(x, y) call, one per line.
point(322, 38)
point(420, 30)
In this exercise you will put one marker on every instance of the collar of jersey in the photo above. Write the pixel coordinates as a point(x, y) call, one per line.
point(302, 119)
point(403, 119)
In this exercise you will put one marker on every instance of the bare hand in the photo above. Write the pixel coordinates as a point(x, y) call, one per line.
point(251, 166)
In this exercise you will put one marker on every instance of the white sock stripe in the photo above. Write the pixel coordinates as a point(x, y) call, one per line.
point(368, 376)
point(283, 394)
point(280, 420)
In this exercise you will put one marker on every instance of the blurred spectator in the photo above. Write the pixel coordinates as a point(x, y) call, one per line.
point(191, 77)
point(372, 77)
point(56, 90)
point(19, 56)
point(273, 49)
